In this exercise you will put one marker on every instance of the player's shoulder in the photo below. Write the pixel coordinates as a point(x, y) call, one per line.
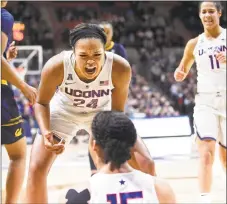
point(6, 15)
point(95, 176)
point(146, 179)
point(191, 45)
point(224, 31)
point(192, 42)
point(7, 21)
point(120, 65)
point(57, 59)
point(55, 63)
point(95, 179)
point(161, 183)
point(119, 45)
point(164, 191)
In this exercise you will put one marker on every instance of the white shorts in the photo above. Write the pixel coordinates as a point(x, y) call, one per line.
point(210, 116)
point(66, 128)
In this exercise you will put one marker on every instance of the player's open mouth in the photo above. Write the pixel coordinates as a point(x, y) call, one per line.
point(90, 70)
point(208, 21)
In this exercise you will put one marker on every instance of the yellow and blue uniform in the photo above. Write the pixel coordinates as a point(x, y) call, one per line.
point(117, 48)
point(11, 127)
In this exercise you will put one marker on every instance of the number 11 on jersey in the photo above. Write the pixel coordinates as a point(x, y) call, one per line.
point(212, 60)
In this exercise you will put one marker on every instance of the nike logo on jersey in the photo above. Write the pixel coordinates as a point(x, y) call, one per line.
point(66, 83)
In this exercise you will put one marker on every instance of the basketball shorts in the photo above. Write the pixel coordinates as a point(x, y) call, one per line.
point(64, 128)
point(210, 116)
point(11, 121)
point(67, 129)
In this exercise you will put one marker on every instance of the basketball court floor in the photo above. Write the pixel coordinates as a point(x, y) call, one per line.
point(71, 170)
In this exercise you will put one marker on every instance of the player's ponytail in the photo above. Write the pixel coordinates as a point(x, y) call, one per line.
point(115, 133)
point(116, 152)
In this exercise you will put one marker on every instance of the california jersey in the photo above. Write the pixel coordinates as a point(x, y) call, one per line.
point(75, 97)
point(7, 22)
point(124, 188)
point(211, 73)
point(117, 49)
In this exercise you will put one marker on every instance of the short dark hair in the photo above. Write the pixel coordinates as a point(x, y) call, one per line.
point(86, 30)
point(116, 134)
point(217, 4)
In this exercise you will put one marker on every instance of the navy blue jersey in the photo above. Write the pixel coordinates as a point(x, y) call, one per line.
point(11, 128)
point(117, 49)
point(7, 22)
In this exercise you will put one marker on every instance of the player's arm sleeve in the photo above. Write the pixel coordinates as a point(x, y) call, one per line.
point(7, 23)
point(6, 28)
point(122, 52)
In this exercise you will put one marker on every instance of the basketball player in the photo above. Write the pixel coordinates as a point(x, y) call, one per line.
point(208, 50)
point(88, 80)
point(11, 130)
point(113, 137)
point(111, 47)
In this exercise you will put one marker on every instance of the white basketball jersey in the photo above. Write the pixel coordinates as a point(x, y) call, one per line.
point(125, 188)
point(211, 73)
point(75, 97)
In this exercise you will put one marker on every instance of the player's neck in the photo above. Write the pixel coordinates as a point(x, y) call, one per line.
point(124, 168)
point(214, 33)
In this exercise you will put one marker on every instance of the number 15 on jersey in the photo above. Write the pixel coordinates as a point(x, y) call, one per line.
point(124, 197)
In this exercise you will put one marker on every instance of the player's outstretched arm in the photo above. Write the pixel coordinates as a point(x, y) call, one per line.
point(51, 78)
point(164, 192)
point(9, 74)
point(121, 77)
point(186, 62)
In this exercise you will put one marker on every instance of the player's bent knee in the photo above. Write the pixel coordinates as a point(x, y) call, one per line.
point(38, 168)
point(17, 157)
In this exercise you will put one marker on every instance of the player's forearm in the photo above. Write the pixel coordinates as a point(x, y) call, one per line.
point(10, 75)
point(42, 114)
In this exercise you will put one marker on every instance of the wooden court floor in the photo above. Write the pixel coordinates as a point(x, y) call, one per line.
point(71, 170)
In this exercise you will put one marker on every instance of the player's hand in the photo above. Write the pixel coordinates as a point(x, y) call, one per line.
point(29, 92)
point(179, 74)
point(221, 57)
point(11, 52)
point(52, 145)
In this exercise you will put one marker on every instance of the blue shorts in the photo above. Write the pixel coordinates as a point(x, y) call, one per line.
point(11, 127)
